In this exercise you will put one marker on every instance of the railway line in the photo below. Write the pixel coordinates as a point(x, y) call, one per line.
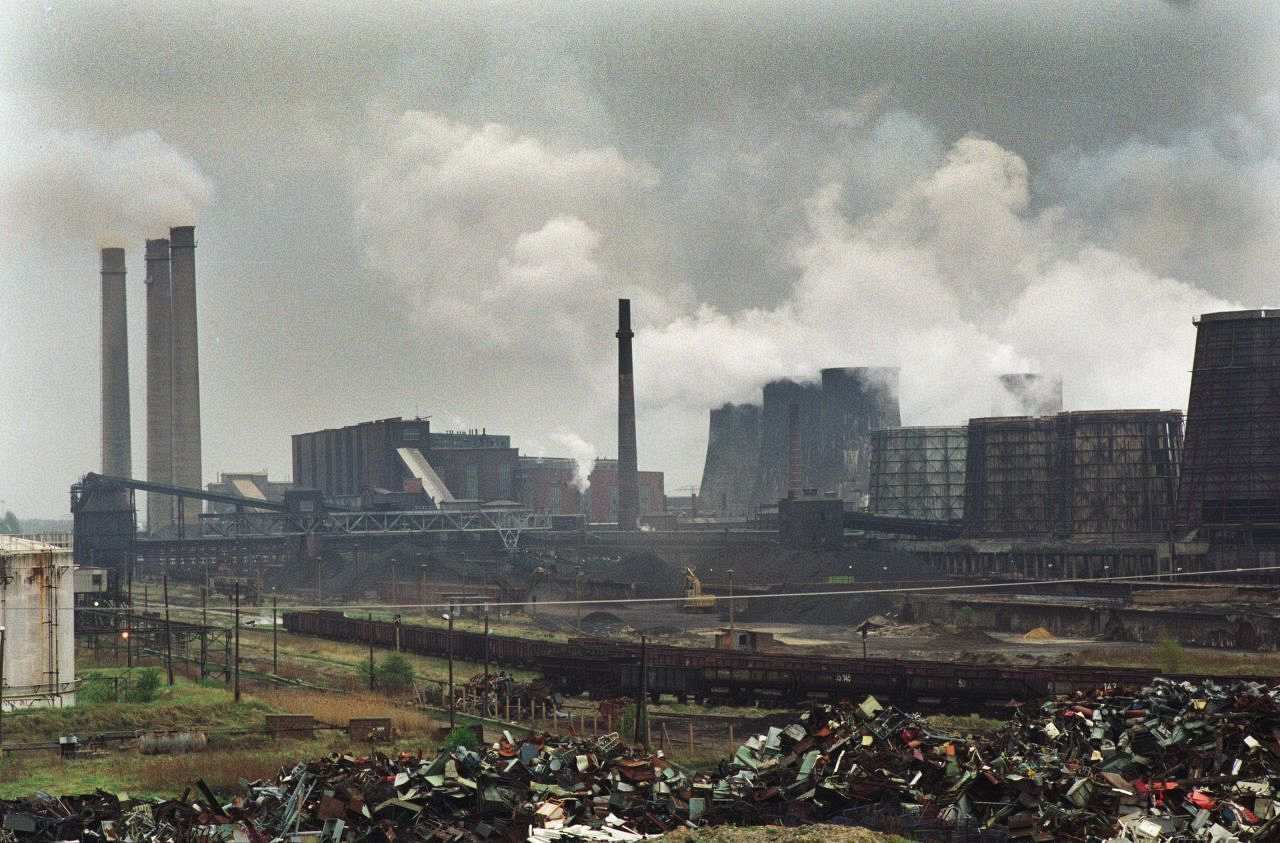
point(609, 668)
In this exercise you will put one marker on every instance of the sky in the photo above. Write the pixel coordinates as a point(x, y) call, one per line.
point(431, 209)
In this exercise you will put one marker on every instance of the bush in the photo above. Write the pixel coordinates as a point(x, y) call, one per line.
point(1169, 657)
point(145, 687)
point(96, 689)
point(395, 673)
point(461, 736)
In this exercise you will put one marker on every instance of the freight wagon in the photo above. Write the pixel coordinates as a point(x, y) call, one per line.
point(609, 668)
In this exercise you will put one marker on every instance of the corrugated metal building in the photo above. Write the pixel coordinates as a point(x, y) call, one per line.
point(549, 484)
point(399, 455)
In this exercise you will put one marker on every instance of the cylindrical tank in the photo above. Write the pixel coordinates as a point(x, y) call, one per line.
point(37, 613)
point(1231, 462)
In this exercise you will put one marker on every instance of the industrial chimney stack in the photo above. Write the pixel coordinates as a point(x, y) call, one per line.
point(159, 384)
point(116, 459)
point(628, 467)
point(186, 367)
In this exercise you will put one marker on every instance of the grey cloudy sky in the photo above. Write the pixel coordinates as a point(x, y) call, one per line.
point(411, 207)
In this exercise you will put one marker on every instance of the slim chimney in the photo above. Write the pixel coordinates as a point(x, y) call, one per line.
point(159, 384)
point(186, 367)
point(116, 460)
point(628, 471)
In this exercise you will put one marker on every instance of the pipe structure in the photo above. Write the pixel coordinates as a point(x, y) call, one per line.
point(628, 462)
point(160, 516)
point(116, 456)
point(186, 369)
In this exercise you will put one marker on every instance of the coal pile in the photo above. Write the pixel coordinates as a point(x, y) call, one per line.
point(1174, 762)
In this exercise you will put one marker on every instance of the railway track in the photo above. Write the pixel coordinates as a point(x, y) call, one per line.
point(610, 668)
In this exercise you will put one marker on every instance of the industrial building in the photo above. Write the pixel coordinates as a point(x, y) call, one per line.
point(551, 485)
point(1084, 476)
point(37, 614)
point(918, 472)
point(247, 484)
point(1230, 484)
point(395, 456)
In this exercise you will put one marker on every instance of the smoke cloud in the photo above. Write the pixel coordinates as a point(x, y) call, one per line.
point(582, 452)
point(86, 187)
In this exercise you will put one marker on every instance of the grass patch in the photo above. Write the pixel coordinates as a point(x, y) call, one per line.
point(187, 705)
point(1196, 661)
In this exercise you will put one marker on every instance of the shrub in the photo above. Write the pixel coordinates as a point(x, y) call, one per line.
point(145, 687)
point(1169, 656)
point(96, 689)
point(461, 736)
point(395, 673)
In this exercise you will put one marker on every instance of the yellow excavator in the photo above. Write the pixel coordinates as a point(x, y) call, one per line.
point(694, 600)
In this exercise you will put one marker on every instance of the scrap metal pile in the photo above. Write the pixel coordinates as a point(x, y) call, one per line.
point(1174, 762)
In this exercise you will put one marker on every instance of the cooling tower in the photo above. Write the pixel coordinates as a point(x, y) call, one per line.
point(1107, 475)
point(918, 472)
point(1231, 463)
point(186, 367)
point(733, 454)
point(159, 384)
point(1027, 394)
point(116, 460)
point(855, 401)
point(628, 467)
point(775, 438)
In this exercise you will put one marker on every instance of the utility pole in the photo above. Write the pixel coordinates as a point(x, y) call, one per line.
point(642, 706)
point(237, 655)
point(731, 600)
point(486, 647)
point(578, 601)
point(275, 637)
point(168, 632)
point(452, 700)
point(395, 621)
point(204, 602)
point(1, 690)
point(372, 672)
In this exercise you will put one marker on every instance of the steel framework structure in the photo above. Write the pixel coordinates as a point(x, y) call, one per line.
point(509, 525)
point(918, 472)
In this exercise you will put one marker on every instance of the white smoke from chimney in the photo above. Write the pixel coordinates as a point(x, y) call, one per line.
point(84, 186)
point(582, 452)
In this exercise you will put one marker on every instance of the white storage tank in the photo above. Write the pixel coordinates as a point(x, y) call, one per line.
point(37, 596)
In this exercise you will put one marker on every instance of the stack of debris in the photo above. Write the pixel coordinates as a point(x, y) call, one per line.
point(1174, 762)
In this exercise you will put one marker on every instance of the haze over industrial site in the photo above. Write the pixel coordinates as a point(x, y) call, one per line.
point(619, 421)
point(398, 200)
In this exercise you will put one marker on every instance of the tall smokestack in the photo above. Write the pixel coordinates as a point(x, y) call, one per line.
point(628, 467)
point(186, 367)
point(159, 384)
point(116, 458)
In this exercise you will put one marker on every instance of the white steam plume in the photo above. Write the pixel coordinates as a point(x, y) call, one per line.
point(582, 452)
point(81, 186)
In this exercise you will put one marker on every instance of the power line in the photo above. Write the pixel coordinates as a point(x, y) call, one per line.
point(753, 597)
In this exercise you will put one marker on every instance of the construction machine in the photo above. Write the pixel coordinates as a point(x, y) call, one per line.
point(694, 600)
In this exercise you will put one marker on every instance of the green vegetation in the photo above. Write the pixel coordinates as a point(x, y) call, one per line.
point(461, 736)
point(10, 523)
point(1168, 656)
point(393, 675)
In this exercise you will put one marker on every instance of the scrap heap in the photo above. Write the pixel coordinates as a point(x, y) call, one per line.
point(1173, 762)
